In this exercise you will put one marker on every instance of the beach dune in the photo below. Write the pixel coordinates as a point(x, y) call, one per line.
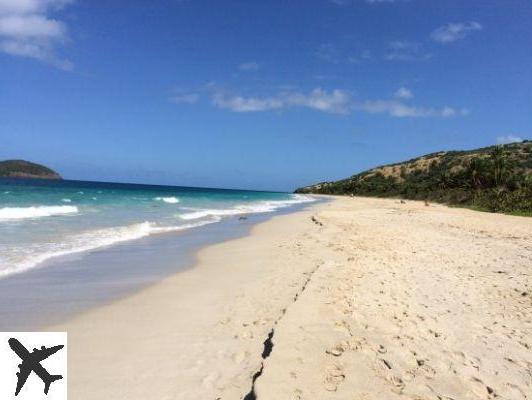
point(354, 298)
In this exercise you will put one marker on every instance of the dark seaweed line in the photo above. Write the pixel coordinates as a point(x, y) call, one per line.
point(268, 343)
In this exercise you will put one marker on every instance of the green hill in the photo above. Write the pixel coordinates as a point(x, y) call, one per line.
point(26, 169)
point(495, 178)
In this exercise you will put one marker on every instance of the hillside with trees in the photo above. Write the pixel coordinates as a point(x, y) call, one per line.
point(495, 178)
point(26, 169)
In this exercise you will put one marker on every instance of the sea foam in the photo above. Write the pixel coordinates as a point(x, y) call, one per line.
point(23, 250)
point(90, 240)
point(251, 208)
point(17, 213)
point(169, 200)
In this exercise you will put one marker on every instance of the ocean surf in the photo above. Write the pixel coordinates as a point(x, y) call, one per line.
point(36, 224)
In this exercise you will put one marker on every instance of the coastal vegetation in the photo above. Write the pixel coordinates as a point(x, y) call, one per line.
point(495, 178)
point(26, 169)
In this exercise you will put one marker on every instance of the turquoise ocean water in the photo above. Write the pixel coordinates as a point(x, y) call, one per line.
point(41, 220)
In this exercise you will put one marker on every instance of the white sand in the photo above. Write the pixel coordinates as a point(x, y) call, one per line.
point(384, 301)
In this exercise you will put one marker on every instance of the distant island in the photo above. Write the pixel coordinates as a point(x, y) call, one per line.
point(26, 169)
point(495, 178)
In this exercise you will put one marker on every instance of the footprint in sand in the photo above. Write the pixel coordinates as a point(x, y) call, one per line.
point(381, 349)
point(385, 369)
point(338, 349)
point(334, 376)
point(481, 389)
point(516, 392)
point(297, 395)
point(423, 369)
point(342, 326)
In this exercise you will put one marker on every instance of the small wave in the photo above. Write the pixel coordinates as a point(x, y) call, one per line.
point(92, 240)
point(210, 212)
point(15, 213)
point(252, 208)
point(66, 200)
point(169, 200)
point(164, 229)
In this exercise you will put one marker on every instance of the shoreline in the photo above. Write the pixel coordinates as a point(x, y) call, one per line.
point(365, 300)
point(221, 297)
point(71, 284)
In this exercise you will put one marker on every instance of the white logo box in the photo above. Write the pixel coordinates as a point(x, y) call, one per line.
point(33, 346)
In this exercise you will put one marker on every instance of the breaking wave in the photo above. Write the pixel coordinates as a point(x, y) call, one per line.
point(169, 200)
point(87, 241)
point(54, 239)
point(252, 208)
point(17, 213)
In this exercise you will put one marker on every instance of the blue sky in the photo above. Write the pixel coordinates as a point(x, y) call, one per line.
point(258, 94)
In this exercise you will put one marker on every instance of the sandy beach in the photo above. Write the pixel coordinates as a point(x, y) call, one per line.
point(355, 298)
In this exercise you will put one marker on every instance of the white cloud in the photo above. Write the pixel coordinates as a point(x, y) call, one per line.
point(359, 59)
point(398, 109)
point(27, 30)
point(509, 139)
point(455, 31)
point(31, 26)
point(30, 6)
point(402, 50)
point(185, 98)
point(335, 101)
point(246, 104)
point(403, 93)
point(249, 66)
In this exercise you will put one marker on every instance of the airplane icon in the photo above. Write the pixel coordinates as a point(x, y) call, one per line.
point(32, 362)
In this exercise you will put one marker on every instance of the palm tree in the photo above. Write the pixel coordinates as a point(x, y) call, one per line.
point(475, 171)
point(500, 165)
point(444, 180)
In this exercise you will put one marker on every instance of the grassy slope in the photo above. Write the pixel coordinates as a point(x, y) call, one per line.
point(495, 178)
